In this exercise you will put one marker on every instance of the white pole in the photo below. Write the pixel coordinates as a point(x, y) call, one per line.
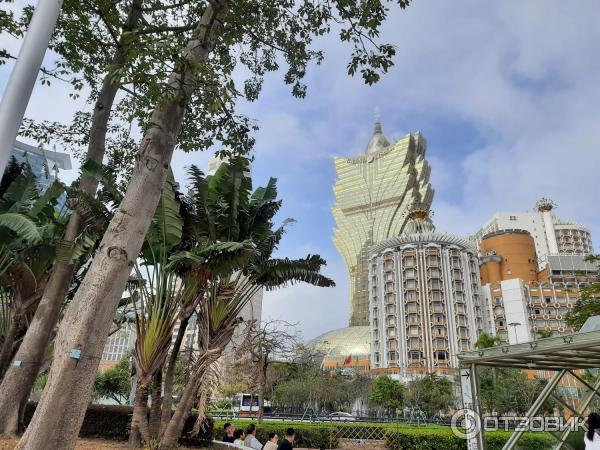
point(22, 79)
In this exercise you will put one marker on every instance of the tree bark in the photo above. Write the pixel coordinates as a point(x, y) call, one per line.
point(167, 403)
point(155, 408)
point(174, 429)
point(261, 389)
point(16, 386)
point(89, 316)
point(139, 433)
point(9, 343)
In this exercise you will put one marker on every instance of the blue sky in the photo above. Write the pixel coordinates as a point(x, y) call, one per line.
point(506, 94)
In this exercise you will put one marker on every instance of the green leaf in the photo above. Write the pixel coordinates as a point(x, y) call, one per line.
point(49, 197)
point(21, 225)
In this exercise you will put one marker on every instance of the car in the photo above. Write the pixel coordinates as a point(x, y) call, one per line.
point(340, 415)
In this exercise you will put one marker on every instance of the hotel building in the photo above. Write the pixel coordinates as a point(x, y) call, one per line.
point(550, 234)
point(424, 298)
point(372, 193)
point(521, 300)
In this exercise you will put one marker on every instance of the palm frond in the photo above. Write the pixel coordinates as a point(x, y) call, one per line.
point(21, 193)
point(276, 273)
point(47, 200)
point(219, 258)
point(166, 229)
point(22, 226)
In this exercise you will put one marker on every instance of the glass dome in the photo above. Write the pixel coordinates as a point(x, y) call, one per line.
point(344, 342)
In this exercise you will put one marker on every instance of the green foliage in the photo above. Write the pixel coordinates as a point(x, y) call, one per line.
point(486, 340)
point(114, 383)
point(443, 438)
point(307, 435)
point(313, 388)
point(431, 394)
point(509, 391)
point(588, 303)
point(387, 393)
point(40, 382)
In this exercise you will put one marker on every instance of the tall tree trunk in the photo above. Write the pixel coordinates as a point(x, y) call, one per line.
point(16, 386)
point(139, 433)
point(173, 431)
point(155, 408)
point(202, 404)
point(170, 375)
point(9, 343)
point(89, 316)
point(262, 382)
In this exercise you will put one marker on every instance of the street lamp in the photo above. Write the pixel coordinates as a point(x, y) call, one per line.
point(515, 325)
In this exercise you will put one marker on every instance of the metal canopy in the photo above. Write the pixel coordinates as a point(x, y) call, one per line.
point(571, 351)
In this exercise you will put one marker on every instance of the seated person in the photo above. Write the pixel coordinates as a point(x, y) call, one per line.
point(251, 440)
point(238, 438)
point(272, 443)
point(228, 430)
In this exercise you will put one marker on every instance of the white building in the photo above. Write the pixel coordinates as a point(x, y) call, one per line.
point(424, 296)
point(550, 234)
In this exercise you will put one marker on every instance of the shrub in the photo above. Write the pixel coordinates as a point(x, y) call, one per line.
point(307, 435)
point(112, 422)
point(432, 439)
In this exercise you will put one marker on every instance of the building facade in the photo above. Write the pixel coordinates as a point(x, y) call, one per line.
point(520, 300)
point(118, 346)
point(45, 164)
point(425, 300)
point(372, 194)
point(550, 234)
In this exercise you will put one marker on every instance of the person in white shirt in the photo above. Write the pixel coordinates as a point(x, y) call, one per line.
point(239, 438)
point(251, 440)
point(272, 443)
point(592, 436)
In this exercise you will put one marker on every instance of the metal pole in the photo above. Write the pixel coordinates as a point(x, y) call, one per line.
point(22, 79)
point(537, 404)
point(582, 407)
point(477, 405)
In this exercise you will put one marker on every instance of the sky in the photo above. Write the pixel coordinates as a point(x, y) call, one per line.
point(505, 92)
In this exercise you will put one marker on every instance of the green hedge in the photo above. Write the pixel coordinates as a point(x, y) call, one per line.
point(326, 435)
point(427, 439)
point(307, 435)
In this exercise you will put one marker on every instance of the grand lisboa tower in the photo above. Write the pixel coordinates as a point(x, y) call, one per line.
point(373, 193)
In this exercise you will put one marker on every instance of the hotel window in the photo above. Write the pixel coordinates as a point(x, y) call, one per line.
point(435, 272)
point(410, 273)
point(413, 330)
point(435, 283)
point(513, 218)
point(410, 284)
point(411, 296)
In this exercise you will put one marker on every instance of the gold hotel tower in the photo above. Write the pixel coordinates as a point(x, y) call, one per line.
point(372, 195)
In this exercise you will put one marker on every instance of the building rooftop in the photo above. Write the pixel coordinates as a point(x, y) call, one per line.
point(349, 341)
point(62, 160)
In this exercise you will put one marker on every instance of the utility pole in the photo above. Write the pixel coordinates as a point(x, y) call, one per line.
point(22, 79)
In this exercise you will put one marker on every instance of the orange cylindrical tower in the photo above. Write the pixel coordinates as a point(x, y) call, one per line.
point(508, 254)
